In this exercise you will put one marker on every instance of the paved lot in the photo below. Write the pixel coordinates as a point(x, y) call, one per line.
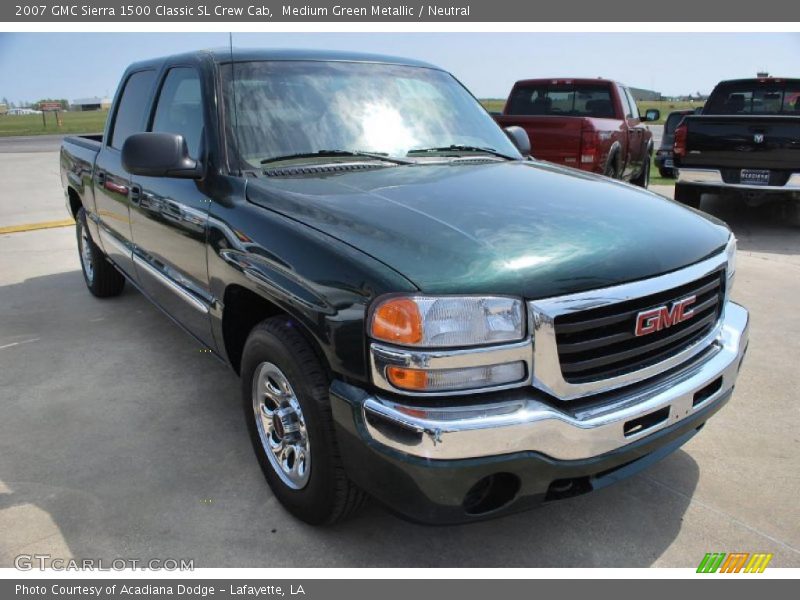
point(119, 438)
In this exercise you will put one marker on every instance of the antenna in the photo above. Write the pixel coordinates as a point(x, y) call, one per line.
point(235, 107)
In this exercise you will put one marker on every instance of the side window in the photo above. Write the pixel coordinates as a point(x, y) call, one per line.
point(626, 104)
point(180, 107)
point(132, 109)
point(632, 102)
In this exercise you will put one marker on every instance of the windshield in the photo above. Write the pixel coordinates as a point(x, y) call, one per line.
point(565, 99)
point(755, 98)
point(281, 108)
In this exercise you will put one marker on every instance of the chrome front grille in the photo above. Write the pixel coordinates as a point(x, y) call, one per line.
point(601, 343)
point(585, 343)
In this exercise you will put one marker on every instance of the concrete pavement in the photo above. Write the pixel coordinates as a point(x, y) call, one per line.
point(119, 438)
point(31, 188)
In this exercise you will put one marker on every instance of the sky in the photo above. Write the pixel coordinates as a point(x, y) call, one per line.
point(77, 65)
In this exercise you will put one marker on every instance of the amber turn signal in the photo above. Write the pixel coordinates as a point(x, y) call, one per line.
point(407, 379)
point(397, 320)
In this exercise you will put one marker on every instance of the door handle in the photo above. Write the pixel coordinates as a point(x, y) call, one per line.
point(135, 194)
point(117, 188)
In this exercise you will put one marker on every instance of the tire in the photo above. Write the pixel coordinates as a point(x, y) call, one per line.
point(688, 195)
point(666, 173)
point(643, 178)
point(611, 168)
point(101, 277)
point(288, 414)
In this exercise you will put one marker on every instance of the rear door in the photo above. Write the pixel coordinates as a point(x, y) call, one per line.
point(111, 181)
point(636, 135)
point(169, 216)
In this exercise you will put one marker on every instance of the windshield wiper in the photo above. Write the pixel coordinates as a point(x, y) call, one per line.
point(461, 148)
point(337, 153)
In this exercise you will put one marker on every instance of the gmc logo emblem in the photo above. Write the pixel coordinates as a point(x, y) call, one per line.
point(656, 319)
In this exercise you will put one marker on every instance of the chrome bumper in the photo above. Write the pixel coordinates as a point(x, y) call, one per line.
point(533, 424)
point(713, 177)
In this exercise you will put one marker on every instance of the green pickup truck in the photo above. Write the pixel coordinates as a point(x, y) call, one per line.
point(418, 310)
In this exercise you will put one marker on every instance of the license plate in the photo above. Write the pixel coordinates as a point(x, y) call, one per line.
point(669, 163)
point(755, 176)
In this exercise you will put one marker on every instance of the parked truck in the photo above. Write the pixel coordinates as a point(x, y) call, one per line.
point(417, 311)
point(588, 124)
point(745, 144)
point(663, 158)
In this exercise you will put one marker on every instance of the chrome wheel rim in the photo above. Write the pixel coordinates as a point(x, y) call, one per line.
point(281, 426)
point(86, 256)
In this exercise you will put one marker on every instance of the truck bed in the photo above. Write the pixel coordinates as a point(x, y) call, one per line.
point(77, 158)
point(91, 141)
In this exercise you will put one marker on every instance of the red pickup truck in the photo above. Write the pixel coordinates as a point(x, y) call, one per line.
point(589, 124)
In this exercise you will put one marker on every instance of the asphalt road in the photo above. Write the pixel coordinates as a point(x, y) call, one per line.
point(119, 438)
point(33, 143)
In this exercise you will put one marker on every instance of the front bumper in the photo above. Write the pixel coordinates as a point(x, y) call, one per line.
point(661, 160)
point(712, 178)
point(505, 451)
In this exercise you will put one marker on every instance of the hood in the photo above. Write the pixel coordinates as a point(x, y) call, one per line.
point(526, 229)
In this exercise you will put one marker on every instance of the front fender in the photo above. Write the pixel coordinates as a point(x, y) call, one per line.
point(323, 283)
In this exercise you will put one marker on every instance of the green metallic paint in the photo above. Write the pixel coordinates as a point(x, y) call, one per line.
point(527, 229)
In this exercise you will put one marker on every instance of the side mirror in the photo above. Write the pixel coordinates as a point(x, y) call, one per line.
point(652, 114)
point(159, 155)
point(519, 137)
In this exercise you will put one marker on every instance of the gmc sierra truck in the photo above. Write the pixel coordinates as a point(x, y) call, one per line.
point(588, 124)
point(745, 143)
point(417, 311)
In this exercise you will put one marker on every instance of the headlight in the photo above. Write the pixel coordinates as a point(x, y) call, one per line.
point(730, 253)
point(447, 321)
point(420, 380)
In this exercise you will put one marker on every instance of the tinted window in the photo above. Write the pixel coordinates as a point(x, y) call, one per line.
point(131, 112)
point(562, 99)
point(632, 103)
point(756, 98)
point(623, 98)
point(673, 120)
point(180, 108)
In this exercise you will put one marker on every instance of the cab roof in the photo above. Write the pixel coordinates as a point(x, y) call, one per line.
point(226, 55)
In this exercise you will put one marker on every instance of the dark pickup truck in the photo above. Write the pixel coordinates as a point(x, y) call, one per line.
point(745, 143)
point(417, 312)
point(588, 124)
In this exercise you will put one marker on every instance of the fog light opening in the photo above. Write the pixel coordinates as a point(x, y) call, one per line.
point(707, 392)
point(491, 493)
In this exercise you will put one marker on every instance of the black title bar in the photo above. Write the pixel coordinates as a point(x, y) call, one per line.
point(33, 11)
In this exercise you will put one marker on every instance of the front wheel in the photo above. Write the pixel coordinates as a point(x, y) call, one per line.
point(101, 277)
point(666, 172)
point(288, 414)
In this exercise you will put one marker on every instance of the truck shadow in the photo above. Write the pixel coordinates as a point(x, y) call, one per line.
point(122, 439)
point(763, 228)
